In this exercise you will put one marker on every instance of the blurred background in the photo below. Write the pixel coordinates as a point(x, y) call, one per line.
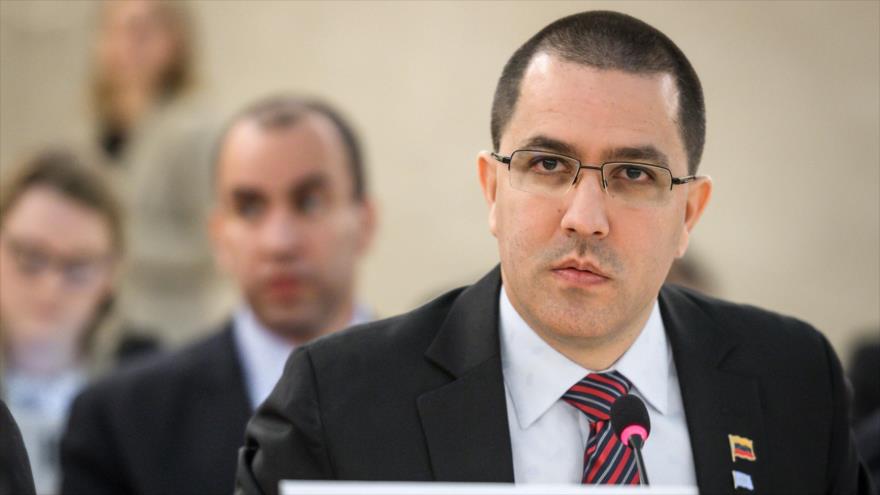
point(793, 102)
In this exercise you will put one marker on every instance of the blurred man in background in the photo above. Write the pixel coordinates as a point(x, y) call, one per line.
point(291, 221)
point(60, 246)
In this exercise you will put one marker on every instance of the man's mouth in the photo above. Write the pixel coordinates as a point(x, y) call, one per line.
point(580, 272)
point(284, 285)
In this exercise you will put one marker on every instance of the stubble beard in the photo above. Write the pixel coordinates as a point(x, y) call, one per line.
point(569, 314)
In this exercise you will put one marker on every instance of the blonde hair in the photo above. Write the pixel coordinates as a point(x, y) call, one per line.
point(179, 76)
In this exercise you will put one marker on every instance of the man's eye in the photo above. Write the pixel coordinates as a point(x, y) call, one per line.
point(32, 262)
point(80, 271)
point(311, 203)
point(635, 174)
point(548, 164)
point(249, 209)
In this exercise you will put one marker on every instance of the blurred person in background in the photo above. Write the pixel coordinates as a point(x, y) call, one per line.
point(291, 221)
point(864, 375)
point(690, 272)
point(60, 246)
point(153, 134)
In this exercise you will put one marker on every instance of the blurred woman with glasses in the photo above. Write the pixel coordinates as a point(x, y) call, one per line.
point(61, 244)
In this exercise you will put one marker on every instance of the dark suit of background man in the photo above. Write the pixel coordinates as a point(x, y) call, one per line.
point(598, 128)
point(291, 221)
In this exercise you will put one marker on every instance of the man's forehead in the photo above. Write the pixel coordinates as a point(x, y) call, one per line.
point(576, 104)
point(275, 155)
point(550, 76)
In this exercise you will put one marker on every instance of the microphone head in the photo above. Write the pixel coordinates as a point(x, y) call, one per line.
point(629, 417)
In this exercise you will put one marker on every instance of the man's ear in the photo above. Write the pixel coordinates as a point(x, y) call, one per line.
point(215, 232)
point(487, 170)
point(698, 196)
point(367, 219)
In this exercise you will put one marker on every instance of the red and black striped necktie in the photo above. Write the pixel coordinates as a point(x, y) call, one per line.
point(606, 460)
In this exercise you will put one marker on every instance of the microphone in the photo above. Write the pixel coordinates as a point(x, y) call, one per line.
point(631, 424)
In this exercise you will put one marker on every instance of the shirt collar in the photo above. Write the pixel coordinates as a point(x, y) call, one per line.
point(49, 395)
point(537, 375)
point(263, 353)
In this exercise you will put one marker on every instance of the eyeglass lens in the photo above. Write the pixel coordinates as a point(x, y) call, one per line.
point(552, 175)
point(33, 261)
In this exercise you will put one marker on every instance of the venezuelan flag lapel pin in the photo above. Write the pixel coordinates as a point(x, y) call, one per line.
point(741, 448)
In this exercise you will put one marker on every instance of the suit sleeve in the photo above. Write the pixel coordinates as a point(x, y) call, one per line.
point(15, 468)
point(90, 462)
point(285, 437)
point(846, 473)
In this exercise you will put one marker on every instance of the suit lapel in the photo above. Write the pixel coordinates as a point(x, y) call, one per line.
point(465, 421)
point(229, 400)
point(718, 401)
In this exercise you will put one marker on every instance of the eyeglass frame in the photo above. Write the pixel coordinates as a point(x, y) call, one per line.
point(675, 181)
point(96, 265)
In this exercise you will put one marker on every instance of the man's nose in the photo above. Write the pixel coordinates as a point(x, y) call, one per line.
point(51, 280)
point(586, 206)
point(281, 234)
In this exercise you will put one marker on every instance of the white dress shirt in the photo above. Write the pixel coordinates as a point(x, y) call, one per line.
point(264, 353)
point(548, 436)
point(40, 405)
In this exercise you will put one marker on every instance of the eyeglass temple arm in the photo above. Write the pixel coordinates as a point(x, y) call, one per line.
point(501, 158)
point(684, 180)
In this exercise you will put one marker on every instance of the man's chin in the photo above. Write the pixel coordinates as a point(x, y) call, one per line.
point(288, 324)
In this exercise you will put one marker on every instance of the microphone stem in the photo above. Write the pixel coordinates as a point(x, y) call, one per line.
point(635, 443)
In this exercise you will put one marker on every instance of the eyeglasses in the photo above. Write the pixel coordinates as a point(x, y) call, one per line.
point(76, 272)
point(552, 175)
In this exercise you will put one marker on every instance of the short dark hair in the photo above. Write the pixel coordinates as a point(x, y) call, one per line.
point(281, 111)
point(609, 40)
point(64, 172)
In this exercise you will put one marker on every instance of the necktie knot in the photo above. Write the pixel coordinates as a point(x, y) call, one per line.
point(606, 459)
point(596, 393)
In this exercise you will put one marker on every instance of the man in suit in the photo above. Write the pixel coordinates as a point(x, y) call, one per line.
point(598, 128)
point(290, 223)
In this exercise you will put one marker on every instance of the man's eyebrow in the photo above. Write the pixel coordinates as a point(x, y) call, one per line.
point(544, 143)
point(245, 193)
point(647, 153)
point(311, 182)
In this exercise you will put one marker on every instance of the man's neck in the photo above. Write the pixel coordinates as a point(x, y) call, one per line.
point(341, 319)
point(594, 353)
point(591, 352)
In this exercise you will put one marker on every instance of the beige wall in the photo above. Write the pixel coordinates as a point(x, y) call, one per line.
point(793, 111)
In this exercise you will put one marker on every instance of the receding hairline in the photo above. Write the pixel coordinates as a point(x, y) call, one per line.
point(307, 118)
point(668, 91)
point(608, 40)
point(285, 110)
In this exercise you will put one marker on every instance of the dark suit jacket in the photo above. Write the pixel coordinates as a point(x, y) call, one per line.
point(15, 469)
point(171, 424)
point(421, 397)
